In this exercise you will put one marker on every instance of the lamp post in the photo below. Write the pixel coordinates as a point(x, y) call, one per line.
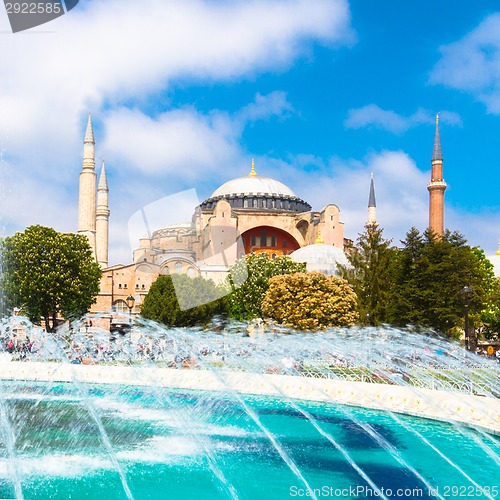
point(466, 293)
point(130, 304)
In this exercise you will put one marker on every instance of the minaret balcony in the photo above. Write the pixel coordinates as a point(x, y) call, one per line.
point(438, 184)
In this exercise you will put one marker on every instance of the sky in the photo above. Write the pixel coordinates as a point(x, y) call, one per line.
point(183, 94)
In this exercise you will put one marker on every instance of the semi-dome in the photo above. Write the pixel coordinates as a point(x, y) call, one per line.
point(321, 258)
point(256, 192)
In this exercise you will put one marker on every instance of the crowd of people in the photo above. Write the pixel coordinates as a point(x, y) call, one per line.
point(25, 342)
point(489, 352)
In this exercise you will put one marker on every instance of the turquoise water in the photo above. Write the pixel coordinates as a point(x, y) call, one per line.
point(187, 444)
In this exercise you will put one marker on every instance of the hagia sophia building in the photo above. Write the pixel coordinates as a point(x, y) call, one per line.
point(247, 214)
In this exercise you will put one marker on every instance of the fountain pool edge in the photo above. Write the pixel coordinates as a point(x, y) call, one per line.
point(479, 412)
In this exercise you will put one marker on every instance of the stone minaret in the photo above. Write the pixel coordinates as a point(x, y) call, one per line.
point(102, 219)
point(436, 187)
point(372, 206)
point(87, 197)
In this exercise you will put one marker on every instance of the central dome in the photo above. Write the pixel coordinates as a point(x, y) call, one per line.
point(253, 185)
point(255, 192)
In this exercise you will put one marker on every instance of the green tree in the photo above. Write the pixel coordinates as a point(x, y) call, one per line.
point(406, 305)
point(429, 273)
point(248, 281)
point(8, 291)
point(198, 297)
point(309, 301)
point(370, 274)
point(49, 274)
point(488, 320)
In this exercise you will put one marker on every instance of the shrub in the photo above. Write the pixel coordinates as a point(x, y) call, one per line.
point(199, 297)
point(310, 301)
point(252, 273)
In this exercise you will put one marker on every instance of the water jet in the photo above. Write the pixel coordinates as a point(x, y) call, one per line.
point(190, 413)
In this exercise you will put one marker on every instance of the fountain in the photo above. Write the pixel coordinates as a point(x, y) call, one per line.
point(192, 413)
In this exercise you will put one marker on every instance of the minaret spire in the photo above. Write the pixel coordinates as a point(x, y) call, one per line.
point(437, 154)
point(103, 179)
point(87, 194)
point(372, 205)
point(89, 133)
point(436, 187)
point(102, 219)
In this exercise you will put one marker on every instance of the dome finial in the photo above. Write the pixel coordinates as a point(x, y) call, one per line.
point(319, 239)
point(252, 172)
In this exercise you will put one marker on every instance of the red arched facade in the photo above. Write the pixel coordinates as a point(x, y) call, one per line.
point(270, 240)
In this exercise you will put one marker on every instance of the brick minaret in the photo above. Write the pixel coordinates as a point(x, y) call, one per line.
point(436, 187)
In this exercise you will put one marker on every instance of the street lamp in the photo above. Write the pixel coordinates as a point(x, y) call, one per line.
point(130, 304)
point(466, 293)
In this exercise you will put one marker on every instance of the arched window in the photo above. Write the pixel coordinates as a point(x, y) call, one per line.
point(120, 306)
point(190, 272)
point(263, 239)
point(178, 267)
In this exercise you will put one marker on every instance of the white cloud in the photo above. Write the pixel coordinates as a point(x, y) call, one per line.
point(184, 140)
point(112, 58)
point(374, 116)
point(472, 64)
point(103, 53)
point(480, 229)
point(265, 106)
point(400, 190)
point(26, 201)
point(178, 141)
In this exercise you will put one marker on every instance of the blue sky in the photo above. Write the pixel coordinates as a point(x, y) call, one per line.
point(321, 92)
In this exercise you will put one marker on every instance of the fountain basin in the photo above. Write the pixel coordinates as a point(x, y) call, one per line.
point(191, 443)
point(474, 411)
point(275, 416)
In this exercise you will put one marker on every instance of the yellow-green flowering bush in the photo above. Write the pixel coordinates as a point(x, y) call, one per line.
point(252, 273)
point(309, 301)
